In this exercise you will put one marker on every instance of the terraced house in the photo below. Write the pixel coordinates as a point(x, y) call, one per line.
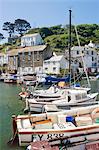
point(12, 60)
point(90, 56)
point(3, 62)
point(31, 58)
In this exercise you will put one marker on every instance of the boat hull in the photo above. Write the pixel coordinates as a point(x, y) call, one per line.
point(75, 135)
point(54, 127)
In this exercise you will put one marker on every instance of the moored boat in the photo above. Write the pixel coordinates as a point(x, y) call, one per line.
point(73, 126)
point(68, 98)
point(10, 78)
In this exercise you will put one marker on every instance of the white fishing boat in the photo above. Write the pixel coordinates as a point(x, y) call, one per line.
point(71, 126)
point(68, 98)
point(53, 92)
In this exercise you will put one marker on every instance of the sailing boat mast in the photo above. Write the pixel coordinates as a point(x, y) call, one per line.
point(70, 45)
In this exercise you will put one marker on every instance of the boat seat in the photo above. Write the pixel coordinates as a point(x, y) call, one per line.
point(45, 124)
point(83, 121)
point(51, 108)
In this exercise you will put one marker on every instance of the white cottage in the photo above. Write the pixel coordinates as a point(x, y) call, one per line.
point(31, 40)
point(89, 55)
point(3, 59)
point(54, 64)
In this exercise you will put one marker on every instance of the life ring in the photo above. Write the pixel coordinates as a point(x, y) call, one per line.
point(96, 110)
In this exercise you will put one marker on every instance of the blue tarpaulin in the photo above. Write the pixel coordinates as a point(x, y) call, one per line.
point(56, 79)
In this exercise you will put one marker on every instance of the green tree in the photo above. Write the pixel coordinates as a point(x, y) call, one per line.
point(1, 36)
point(9, 27)
point(57, 29)
point(44, 32)
point(21, 26)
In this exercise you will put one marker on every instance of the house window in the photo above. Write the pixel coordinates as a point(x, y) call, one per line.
point(29, 69)
point(69, 98)
point(48, 62)
point(39, 69)
point(45, 62)
point(77, 52)
point(75, 61)
point(87, 52)
point(46, 68)
point(82, 51)
point(53, 62)
point(38, 56)
point(32, 43)
point(54, 68)
point(29, 55)
point(14, 60)
point(92, 52)
point(92, 58)
point(23, 56)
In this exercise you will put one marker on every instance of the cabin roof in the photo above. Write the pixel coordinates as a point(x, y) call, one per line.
point(75, 91)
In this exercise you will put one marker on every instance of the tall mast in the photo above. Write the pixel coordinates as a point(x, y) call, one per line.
point(70, 44)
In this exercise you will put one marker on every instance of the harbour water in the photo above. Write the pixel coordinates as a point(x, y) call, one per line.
point(9, 105)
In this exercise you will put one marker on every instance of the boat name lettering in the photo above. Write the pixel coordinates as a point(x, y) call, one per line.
point(40, 136)
point(51, 136)
point(48, 136)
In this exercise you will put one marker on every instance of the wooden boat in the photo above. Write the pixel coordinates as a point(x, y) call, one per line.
point(71, 126)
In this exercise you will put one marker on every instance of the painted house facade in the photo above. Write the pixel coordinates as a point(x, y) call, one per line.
point(54, 64)
point(12, 60)
point(31, 40)
point(86, 54)
point(3, 59)
point(31, 58)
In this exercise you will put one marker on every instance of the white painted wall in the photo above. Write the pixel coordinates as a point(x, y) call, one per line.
point(89, 58)
point(31, 40)
point(54, 66)
point(3, 59)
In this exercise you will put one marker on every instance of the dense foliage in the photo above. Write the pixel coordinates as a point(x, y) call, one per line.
point(9, 27)
point(57, 36)
point(1, 36)
point(20, 26)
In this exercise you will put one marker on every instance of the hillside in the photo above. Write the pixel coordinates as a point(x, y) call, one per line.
point(57, 36)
